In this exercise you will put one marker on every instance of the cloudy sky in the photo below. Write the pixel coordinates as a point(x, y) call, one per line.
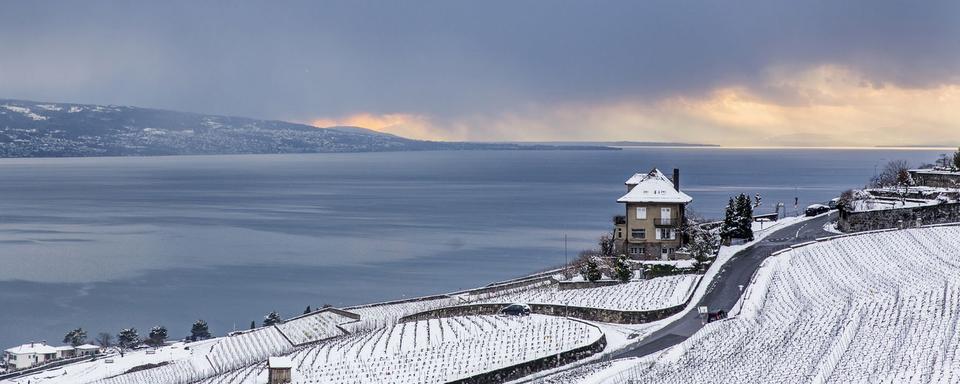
point(727, 72)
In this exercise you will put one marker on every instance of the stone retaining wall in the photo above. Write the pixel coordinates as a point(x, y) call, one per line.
point(524, 369)
point(589, 314)
point(896, 218)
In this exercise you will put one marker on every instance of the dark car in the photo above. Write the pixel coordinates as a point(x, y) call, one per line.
point(718, 315)
point(516, 310)
point(817, 209)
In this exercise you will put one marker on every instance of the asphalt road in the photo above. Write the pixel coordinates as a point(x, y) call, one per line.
point(724, 291)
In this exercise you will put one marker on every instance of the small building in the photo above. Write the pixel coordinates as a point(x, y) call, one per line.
point(280, 370)
point(87, 350)
point(937, 178)
point(65, 351)
point(655, 211)
point(29, 355)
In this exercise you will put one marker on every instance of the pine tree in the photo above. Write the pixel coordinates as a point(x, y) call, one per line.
point(622, 269)
point(272, 318)
point(157, 336)
point(128, 338)
point(75, 337)
point(253, 324)
point(199, 331)
point(591, 270)
point(306, 311)
point(744, 217)
point(729, 227)
point(956, 159)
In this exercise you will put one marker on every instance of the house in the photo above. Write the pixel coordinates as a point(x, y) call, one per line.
point(65, 351)
point(280, 368)
point(87, 350)
point(29, 355)
point(655, 211)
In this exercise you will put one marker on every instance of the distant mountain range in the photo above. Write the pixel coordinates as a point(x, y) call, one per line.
point(42, 129)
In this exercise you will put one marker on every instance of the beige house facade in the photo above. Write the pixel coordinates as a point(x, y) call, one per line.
point(655, 208)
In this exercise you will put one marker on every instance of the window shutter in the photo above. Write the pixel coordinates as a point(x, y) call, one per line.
point(658, 234)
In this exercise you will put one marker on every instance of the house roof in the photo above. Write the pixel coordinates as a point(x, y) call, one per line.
point(653, 187)
point(38, 348)
point(64, 348)
point(280, 362)
point(88, 347)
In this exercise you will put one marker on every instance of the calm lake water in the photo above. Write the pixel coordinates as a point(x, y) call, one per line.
point(108, 243)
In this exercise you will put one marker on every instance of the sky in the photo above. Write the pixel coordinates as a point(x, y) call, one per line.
point(743, 73)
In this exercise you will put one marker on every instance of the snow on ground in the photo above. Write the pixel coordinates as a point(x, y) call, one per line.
point(637, 295)
point(882, 204)
point(383, 315)
point(24, 111)
point(674, 263)
point(832, 228)
point(877, 307)
point(431, 351)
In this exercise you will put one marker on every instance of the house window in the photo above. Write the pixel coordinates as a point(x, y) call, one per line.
point(666, 234)
point(639, 233)
point(641, 213)
point(619, 233)
point(636, 251)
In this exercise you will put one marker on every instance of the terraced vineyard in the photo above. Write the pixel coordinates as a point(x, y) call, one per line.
point(430, 351)
point(639, 295)
point(873, 308)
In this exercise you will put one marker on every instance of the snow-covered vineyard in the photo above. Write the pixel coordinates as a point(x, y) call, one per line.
point(430, 351)
point(874, 308)
point(637, 295)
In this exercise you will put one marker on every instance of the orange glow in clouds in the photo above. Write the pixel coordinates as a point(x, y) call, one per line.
point(401, 124)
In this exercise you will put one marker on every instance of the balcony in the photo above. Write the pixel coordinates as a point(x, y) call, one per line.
point(666, 222)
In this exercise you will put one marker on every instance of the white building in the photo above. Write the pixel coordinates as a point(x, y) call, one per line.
point(28, 355)
point(87, 350)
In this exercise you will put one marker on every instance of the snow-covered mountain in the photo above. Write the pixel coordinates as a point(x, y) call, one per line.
point(42, 129)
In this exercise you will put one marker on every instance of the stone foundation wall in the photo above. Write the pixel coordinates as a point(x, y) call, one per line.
point(895, 218)
point(524, 369)
point(589, 314)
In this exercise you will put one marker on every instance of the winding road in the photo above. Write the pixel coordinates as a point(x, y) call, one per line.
point(725, 289)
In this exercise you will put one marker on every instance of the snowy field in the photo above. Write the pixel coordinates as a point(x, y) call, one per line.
point(638, 295)
point(188, 362)
point(430, 351)
point(873, 308)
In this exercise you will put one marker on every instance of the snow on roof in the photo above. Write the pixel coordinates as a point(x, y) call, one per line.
point(930, 171)
point(39, 348)
point(280, 362)
point(64, 348)
point(88, 346)
point(653, 187)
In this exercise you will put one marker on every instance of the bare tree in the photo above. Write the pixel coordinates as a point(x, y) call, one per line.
point(893, 174)
point(105, 339)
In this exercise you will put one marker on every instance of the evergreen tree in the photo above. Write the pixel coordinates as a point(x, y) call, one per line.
point(253, 324)
point(729, 228)
point(956, 159)
point(199, 331)
point(128, 338)
point(272, 318)
point(75, 337)
point(744, 217)
point(622, 269)
point(306, 311)
point(590, 270)
point(701, 247)
point(158, 335)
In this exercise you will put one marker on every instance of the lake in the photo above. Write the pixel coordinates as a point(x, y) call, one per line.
point(109, 243)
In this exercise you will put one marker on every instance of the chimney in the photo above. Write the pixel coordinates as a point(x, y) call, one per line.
point(676, 179)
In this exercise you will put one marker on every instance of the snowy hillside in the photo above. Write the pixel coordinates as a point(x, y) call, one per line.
point(873, 308)
point(35, 129)
point(638, 295)
point(430, 351)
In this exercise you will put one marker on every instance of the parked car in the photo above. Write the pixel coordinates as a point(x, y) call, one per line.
point(834, 203)
point(516, 310)
point(718, 315)
point(817, 209)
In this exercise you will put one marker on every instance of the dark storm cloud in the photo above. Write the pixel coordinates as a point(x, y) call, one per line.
point(300, 60)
